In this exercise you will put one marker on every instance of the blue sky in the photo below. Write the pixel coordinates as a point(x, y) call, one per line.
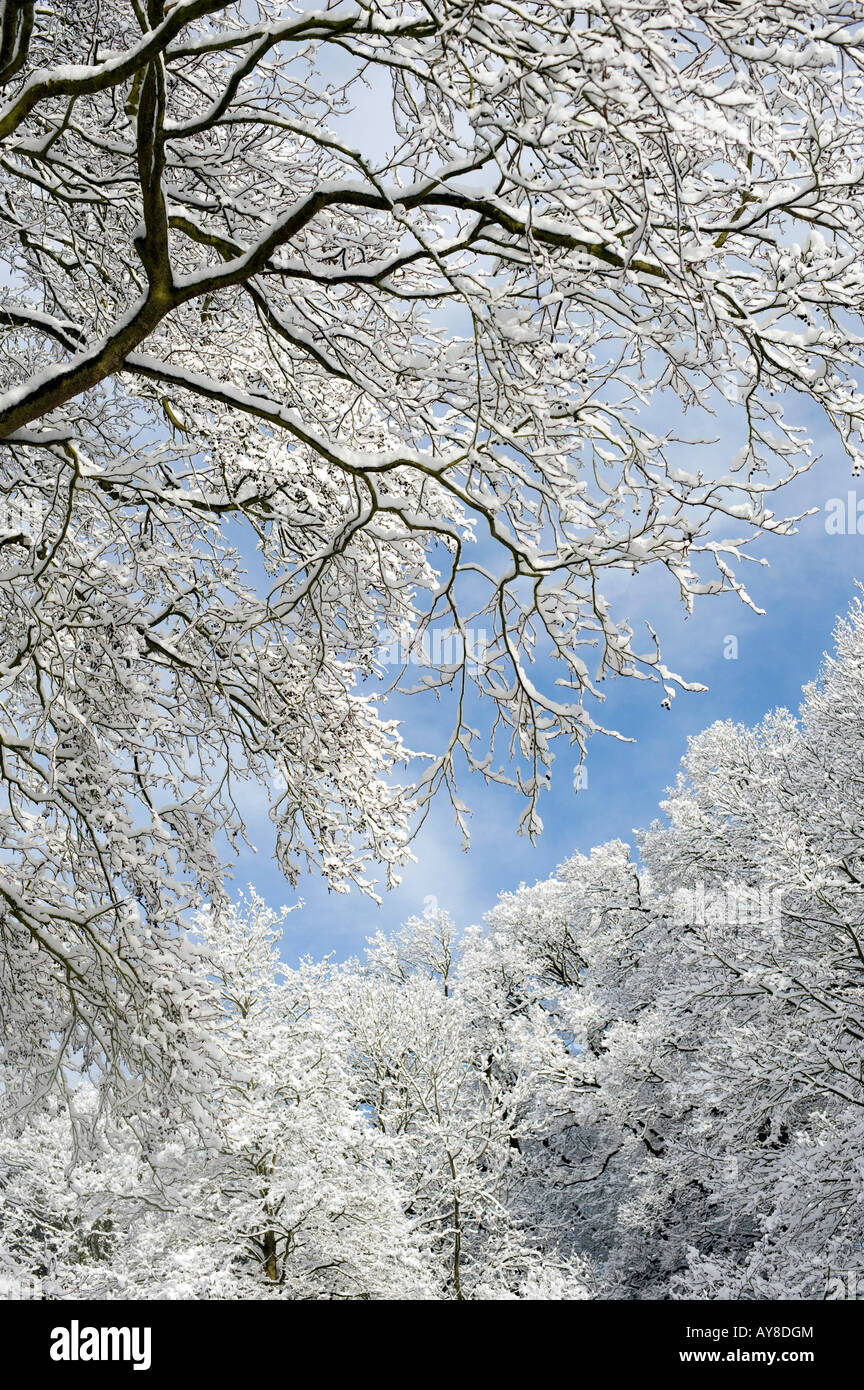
point(809, 581)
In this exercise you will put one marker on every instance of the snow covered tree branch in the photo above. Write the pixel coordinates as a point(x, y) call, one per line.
point(408, 358)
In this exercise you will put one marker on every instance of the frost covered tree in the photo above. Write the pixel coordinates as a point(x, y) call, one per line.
point(776, 1080)
point(459, 1082)
point(299, 1185)
point(708, 1136)
point(382, 296)
point(270, 1185)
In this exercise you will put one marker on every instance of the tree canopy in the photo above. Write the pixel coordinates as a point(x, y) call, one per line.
point(325, 325)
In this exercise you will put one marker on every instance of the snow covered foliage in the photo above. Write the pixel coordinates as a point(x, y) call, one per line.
point(642, 1080)
point(322, 330)
point(383, 296)
point(712, 989)
point(267, 1183)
